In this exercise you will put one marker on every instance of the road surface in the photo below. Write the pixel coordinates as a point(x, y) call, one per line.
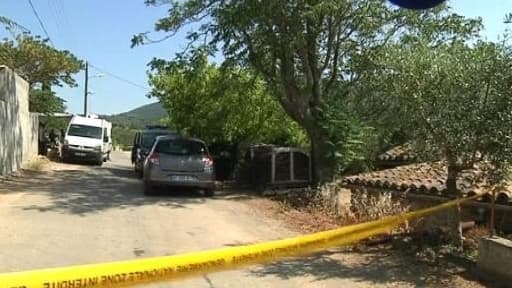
point(80, 214)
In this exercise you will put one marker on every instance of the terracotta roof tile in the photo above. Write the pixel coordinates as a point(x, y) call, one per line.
point(402, 153)
point(429, 178)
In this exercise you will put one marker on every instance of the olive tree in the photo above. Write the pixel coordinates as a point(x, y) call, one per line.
point(456, 100)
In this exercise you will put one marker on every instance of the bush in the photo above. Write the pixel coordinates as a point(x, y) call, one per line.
point(323, 205)
point(366, 207)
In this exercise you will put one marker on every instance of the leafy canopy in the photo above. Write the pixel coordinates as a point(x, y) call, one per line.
point(41, 66)
point(37, 62)
point(455, 99)
point(305, 50)
point(219, 104)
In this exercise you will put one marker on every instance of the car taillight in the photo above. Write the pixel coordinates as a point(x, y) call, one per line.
point(208, 163)
point(154, 159)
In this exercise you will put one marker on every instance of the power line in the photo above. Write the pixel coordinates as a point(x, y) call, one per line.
point(55, 16)
point(120, 78)
point(60, 9)
point(94, 66)
point(40, 22)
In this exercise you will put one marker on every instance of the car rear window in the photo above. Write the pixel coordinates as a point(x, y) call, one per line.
point(180, 147)
point(149, 138)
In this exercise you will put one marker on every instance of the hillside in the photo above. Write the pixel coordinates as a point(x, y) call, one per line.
point(139, 117)
point(126, 124)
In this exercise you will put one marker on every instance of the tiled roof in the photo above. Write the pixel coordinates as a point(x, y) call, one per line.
point(402, 153)
point(429, 178)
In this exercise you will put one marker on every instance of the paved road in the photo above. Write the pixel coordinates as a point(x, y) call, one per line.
point(85, 214)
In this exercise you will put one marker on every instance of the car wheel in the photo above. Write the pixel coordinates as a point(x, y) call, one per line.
point(209, 192)
point(99, 162)
point(148, 188)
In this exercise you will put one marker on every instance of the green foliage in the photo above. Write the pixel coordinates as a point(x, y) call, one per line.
point(306, 49)
point(123, 136)
point(456, 99)
point(55, 123)
point(139, 118)
point(39, 63)
point(41, 66)
point(350, 140)
point(125, 125)
point(220, 104)
point(45, 101)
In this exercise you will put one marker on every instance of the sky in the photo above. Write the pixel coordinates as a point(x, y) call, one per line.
point(99, 31)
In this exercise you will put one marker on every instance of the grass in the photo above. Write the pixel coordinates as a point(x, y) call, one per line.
point(37, 164)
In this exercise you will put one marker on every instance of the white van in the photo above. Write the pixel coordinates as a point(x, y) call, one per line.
point(88, 139)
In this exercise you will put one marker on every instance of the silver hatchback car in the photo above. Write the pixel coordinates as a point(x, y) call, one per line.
point(176, 161)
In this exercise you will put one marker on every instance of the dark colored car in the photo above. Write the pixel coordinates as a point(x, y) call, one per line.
point(142, 144)
point(176, 161)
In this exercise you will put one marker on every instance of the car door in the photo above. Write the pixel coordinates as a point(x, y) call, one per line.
point(135, 146)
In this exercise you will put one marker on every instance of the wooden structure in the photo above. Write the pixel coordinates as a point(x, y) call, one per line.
point(279, 166)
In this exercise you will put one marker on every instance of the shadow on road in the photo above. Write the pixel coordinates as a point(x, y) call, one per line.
point(83, 191)
point(379, 268)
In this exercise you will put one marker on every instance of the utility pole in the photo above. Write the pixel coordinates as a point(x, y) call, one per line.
point(86, 92)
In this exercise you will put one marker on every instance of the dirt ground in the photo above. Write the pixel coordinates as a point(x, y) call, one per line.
point(383, 265)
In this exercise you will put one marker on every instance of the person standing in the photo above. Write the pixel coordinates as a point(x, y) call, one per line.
point(42, 139)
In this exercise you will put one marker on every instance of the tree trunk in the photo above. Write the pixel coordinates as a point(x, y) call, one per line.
point(451, 189)
point(451, 179)
point(321, 163)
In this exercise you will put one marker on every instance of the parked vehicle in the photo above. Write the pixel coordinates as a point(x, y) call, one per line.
point(142, 143)
point(175, 161)
point(87, 139)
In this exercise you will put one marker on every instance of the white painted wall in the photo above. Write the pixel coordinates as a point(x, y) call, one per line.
point(18, 127)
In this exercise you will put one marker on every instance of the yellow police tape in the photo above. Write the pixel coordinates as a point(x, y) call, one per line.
point(127, 273)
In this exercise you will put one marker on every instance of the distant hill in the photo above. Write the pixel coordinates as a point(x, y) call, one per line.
point(139, 117)
point(126, 124)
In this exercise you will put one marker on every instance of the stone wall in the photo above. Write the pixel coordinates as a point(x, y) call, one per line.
point(495, 260)
point(18, 127)
point(444, 222)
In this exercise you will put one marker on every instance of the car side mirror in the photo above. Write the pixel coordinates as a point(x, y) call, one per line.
point(105, 139)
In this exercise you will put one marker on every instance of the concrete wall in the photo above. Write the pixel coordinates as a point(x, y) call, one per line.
point(18, 127)
point(495, 259)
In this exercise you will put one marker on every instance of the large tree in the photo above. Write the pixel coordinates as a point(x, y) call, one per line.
point(219, 104)
point(42, 66)
point(304, 49)
point(455, 100)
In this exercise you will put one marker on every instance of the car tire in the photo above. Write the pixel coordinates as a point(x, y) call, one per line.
point(99, 162)
point(148, 189)
point(209, 192)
